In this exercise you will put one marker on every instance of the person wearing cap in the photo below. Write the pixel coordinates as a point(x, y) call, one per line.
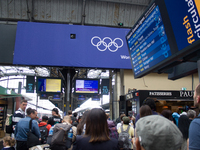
point(118, 120)
point(194, 132)
point(155, 132)
point(44, 123)
point(125, 125)
point(55, 117)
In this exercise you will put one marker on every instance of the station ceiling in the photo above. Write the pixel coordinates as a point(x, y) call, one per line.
point(85, 12)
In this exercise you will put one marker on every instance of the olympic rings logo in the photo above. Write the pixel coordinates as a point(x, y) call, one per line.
point(106, 45)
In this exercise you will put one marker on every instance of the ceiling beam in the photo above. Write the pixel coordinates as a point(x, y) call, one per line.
point(125, 2)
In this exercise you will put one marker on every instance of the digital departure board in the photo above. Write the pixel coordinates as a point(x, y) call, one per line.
point(166, 33)
point(49, 85)
point(87, 86)
point(148, 42)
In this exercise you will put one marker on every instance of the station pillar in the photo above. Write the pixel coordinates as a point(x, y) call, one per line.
point(198, 66)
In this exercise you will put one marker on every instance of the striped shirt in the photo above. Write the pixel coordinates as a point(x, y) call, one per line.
point(19, 114)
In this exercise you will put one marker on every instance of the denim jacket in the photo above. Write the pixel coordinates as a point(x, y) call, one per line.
point(22, 128)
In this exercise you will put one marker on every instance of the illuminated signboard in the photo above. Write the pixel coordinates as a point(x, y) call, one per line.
point(87, 86)
point(52, 85)
point(185, 20)
point(148, 42)
point(168, 30)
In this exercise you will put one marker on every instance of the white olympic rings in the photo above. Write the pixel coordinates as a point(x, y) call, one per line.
point(107, 45)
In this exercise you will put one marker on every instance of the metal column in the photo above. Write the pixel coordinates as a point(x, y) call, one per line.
point(198, 66)
point(111, 94)
point(115, 87)
point(68, 92)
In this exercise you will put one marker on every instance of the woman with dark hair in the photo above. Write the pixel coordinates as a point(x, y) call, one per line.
point(167, 114)
point(145, 110)
point(183, 125)
point(96, 134)
point(81, 126)
point(79, 119)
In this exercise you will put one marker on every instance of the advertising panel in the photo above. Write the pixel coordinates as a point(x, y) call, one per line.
point(185, 20)
point(53, 45)
point(30, 84)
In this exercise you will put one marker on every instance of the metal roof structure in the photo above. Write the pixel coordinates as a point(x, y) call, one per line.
point(15, 70)
point(85, 12)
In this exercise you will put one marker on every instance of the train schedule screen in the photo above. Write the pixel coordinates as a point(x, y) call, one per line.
point(147, 41)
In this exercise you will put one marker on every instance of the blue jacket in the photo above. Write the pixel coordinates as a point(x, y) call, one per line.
point(22, 128)
point(176, 116)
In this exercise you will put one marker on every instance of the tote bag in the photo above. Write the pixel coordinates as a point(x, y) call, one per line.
point(32, 139)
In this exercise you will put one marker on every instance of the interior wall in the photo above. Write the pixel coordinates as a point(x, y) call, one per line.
point(155, 81)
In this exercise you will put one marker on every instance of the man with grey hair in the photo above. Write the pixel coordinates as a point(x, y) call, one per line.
point(194, 132)
point(155, 132)
point(191, 114)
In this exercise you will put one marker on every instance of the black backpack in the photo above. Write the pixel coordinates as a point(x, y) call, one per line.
point(44, 134)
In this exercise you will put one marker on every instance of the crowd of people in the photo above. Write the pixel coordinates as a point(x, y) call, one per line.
point(148, 130)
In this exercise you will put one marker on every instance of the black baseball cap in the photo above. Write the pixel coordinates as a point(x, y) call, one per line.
point(44, 118)
point(55, 110)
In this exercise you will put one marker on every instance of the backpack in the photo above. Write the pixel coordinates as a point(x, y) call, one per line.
point(9, 124)
point(74, 121)
point(124, 138)
point(44, 134)
point(49, 138)
point(113, 132)
point(62, 135)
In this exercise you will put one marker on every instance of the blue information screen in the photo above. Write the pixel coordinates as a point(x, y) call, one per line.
point(147, 41)
point(87, 86)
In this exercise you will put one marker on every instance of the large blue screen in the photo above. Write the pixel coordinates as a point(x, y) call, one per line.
point(147, 41)
point(50, 45)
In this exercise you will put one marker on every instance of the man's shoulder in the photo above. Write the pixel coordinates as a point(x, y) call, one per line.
point(57, 117)
point(19, 111)
point(22, 120)
point(34, 121)
point(195, 121)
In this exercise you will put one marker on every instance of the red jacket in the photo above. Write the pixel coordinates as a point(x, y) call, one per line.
point(44, 124)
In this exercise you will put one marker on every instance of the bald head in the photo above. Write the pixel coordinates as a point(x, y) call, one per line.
point(197, 96)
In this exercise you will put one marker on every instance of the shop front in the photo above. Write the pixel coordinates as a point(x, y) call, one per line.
point(8, 100)
point(176, 101)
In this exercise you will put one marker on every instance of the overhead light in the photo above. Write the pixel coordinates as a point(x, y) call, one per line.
point(120, 24)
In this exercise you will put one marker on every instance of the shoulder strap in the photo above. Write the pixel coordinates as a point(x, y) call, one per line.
point(30, 124)
point(122, 128)
point(128, 129)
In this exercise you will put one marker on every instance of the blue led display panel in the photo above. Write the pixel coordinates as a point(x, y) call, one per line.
point(147, 41)
point(87, 86)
